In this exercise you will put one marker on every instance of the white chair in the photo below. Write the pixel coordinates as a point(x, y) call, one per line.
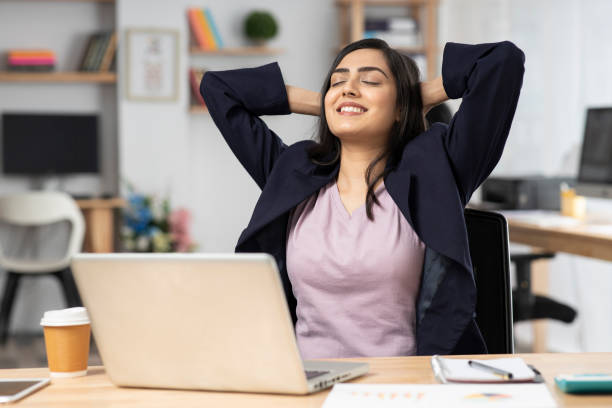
point(39, 209)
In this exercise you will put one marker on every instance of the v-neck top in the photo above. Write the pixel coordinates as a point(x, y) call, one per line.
point(355, 280)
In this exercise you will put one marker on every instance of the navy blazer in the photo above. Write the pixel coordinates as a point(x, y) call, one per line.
point(438, 172)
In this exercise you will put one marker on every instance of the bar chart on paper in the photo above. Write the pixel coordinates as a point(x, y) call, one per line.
point(438, 395)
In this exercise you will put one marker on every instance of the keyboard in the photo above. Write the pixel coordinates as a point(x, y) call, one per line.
point(313, 374)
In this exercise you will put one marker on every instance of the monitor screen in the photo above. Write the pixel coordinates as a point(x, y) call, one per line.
point(39, 144)
point(596, 158)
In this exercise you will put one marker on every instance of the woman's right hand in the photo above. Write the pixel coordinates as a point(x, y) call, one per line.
point(304, 101)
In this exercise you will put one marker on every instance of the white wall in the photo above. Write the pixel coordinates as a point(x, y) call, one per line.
point(169, 152)
point(568, 61)
point(63, 27)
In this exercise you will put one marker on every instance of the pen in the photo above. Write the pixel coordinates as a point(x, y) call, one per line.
point(493, 370)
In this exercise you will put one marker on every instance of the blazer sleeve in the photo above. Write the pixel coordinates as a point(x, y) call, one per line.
point(489, 78)
point(235, 100)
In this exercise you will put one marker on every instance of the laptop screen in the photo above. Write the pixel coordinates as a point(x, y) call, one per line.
point(595, 162)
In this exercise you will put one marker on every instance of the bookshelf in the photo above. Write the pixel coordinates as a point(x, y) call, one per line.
point(237, 51)
point(352, 15)
point(196, 51)
point(92, 92)
point(60, 77)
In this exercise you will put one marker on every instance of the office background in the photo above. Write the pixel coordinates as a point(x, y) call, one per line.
point(162, 149)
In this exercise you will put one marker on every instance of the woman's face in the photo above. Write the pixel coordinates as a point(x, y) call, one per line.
point(360, 104)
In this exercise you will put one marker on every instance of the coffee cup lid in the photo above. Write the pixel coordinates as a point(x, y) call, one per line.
point(73, 316)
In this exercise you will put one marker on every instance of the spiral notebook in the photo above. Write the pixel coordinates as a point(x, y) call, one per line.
point(458, 370)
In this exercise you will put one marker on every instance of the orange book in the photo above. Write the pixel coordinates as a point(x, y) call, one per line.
point(197, 29)
point(210, 38)
point(31, 53)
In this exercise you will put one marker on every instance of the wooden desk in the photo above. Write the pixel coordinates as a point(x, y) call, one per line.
point(99, 223)
point(578, 240)
point(95, 390)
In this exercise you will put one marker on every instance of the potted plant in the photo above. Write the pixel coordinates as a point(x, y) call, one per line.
point(260, 26)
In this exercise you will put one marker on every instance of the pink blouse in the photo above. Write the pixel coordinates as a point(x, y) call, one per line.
point(355, 281)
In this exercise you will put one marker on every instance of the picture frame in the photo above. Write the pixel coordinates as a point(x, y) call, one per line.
point(152, 64)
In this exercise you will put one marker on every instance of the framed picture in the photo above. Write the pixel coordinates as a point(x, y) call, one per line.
point(152, 64)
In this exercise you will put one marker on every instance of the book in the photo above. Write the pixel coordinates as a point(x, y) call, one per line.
point(213, 27)
point(395, 38)
point(195, 78)
point(391, 24)
point(197, 29)
point(100, 50)
point(31, 68)
point(208, 35)
point(31, 54)
point(459, 370)
point(86, 52)
point(91, 52)
point(31, 61)
point(109, 54)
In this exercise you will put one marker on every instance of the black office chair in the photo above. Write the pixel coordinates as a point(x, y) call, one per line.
point(488, 240)
point(527, 305)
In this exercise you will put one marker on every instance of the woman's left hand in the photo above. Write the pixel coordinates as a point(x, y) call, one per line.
point(432, 93)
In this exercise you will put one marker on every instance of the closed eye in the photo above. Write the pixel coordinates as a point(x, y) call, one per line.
point(365, 82)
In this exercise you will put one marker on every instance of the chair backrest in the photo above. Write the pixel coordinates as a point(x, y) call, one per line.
point(488, 239)
point(41, 208)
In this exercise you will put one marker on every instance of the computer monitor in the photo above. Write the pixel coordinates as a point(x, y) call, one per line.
point(49, 144)
point(595, 172)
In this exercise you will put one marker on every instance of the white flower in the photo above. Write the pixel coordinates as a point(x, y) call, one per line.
point(142, 244)
point(129, 244)
point(157, 209)
point(127, 232)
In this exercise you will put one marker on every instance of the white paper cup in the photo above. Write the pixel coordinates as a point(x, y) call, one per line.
point(67, 335)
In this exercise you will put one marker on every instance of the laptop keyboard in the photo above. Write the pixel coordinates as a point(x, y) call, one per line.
point(313, 374)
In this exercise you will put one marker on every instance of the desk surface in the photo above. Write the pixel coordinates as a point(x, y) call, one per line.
point(95, 390)
point(586, 239)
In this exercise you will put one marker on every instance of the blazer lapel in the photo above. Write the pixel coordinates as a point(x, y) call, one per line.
point(282, 193)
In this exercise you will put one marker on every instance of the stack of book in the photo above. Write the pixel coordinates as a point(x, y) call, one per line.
point(398, 32)
point(31, 60)
point(195, 77)
point(203, 29)
point(99, 55)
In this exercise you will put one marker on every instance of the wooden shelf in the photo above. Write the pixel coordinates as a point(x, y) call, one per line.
point(405, 50)
point(74, 1)
point(87, 77)
point(382, 2)
point(352, 15)
point(198, 109)
point(235, 51)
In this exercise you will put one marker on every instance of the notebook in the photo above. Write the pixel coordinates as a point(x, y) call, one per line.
point(458, 370)
point(198, 321)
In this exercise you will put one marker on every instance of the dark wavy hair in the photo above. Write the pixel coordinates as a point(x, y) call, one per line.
point(411, 123)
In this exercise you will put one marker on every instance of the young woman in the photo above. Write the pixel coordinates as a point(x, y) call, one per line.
point(366, 224)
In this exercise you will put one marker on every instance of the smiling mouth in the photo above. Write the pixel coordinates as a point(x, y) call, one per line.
point(351, 110)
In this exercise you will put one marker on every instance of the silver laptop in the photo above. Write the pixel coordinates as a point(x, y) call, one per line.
point(198, 321)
